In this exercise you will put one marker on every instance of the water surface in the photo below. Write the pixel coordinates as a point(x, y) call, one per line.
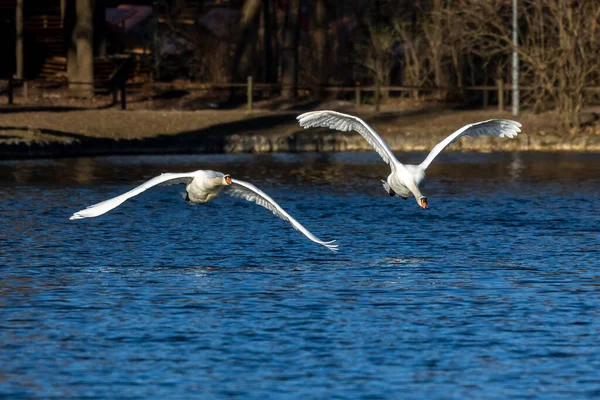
point(491, 293)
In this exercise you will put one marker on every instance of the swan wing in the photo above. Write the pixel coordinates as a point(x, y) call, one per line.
point(491, 127)
point(248, 191)
point(107, 205)
point(344, 122)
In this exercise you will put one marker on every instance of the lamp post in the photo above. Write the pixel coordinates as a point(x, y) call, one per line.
point(19, 41)
point(515, 63)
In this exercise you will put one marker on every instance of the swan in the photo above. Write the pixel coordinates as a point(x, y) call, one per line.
point(405, 179)
point(203, 186)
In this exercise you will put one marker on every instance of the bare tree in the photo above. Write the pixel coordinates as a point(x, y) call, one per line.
point(19, 41)
point(320, 40)
point(78, 23)
point(246, 41)
point(415, 66)
point(204, 54)
point(559, 47)
point(434, 33)
point(84, 34)
point(289, 78)
point(269, 41)
point(69, 17)
point(378, 53)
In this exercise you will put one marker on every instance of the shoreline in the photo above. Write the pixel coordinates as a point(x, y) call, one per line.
point(48, 134)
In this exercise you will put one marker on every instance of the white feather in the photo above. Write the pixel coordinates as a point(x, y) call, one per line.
point(250, 192)
point(344, 122)
point(492, 127)
point(107, 205)
point(201, 188)
point(405, 179)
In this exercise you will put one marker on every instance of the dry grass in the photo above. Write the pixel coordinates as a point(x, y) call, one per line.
point(399, 124)
point(117, 124)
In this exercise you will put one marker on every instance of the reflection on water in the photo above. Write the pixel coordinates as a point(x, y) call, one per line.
point(492, 293)
point(328, 168)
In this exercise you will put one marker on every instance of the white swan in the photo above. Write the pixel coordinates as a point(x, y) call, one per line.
point(202, 187)
point(405, 179)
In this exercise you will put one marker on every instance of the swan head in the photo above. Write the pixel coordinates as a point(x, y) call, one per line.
point(226, 180)
point(423, 202)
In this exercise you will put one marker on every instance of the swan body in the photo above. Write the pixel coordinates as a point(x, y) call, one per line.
point(203, 186)
point(405, 180)
point(399, 182)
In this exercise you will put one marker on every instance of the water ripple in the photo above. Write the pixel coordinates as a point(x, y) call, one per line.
point(492, 293)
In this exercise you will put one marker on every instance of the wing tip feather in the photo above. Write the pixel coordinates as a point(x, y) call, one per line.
point(330, 245)
point(76, 215)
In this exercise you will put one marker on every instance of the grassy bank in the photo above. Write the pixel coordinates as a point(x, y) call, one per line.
point(36, 133)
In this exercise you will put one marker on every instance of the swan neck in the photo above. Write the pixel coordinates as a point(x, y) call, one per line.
point(216, 182)
point(415, 191)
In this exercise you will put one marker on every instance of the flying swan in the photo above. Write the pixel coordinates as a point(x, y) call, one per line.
point(202, 187)
point(405, 179)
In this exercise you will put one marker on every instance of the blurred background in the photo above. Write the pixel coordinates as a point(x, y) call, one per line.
point(194, 54)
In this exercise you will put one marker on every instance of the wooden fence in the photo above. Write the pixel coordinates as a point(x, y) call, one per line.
point(76, 88)
point(104, 87)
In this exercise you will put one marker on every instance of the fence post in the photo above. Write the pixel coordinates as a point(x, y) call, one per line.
point(357, 94)
point(485, 99)
point(249, 93)
point(123, 96)
point(500, 84)
point(10, 89)
point(377, 94)
point(25, 91)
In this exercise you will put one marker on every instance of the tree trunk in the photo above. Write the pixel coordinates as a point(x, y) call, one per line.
point(84, 39)
point(275, 41)
point(19, 40)
point(321, 29)
point(247, 35)
point(268, 35)
point(437, 43)
point(69, 17)
point(289, 79)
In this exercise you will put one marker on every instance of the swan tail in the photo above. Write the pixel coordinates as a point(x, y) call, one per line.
point(388, 189)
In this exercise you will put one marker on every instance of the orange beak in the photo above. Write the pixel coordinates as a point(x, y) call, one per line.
point(423, 202)
point(228, 180)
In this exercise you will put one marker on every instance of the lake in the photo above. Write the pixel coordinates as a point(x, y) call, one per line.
point(492, 293)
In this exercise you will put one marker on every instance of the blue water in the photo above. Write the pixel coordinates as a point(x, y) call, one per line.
point(492, 293)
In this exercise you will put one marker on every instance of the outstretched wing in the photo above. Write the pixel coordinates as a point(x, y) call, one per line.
point(250, 192)
point(107, 205)
point(344, 122)
point(491, 127)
